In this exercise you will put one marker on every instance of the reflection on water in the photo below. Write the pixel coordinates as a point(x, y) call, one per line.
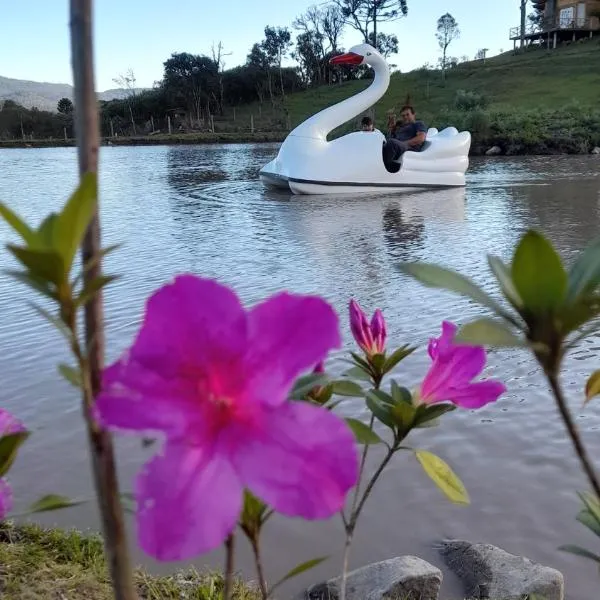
point(201, 209)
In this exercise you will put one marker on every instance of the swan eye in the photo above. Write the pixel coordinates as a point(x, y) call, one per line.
point(369, 53)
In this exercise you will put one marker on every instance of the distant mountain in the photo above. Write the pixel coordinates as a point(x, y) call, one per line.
point(45, 96)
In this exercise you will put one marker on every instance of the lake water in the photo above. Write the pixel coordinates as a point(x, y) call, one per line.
point(202, 209)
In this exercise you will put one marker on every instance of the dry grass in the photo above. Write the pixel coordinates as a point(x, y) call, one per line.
point(42, 564)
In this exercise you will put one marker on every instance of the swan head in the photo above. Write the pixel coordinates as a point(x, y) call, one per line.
point(361, 54)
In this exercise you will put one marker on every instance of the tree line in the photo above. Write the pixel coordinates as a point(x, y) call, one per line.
point(196, 89)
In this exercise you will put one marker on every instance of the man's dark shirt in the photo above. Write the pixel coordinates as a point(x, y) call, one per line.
point(403, 133)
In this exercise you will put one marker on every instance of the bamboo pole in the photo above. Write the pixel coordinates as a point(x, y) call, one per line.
point(102, 453)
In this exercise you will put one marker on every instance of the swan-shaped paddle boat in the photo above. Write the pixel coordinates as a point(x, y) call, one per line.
point(309, 164)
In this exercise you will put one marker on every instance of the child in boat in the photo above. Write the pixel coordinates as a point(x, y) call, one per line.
point(366, 124)
point(406, 135)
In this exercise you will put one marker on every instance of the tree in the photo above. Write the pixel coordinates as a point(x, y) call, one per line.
point(364, 15)
point(191, 78)
point(276, 45)
point(481, 54)
point(320, 30)
point(447, 32)
point(218, 56)
point(385, 44)
point(258, 63)
point(126, 81)
point(65, 106)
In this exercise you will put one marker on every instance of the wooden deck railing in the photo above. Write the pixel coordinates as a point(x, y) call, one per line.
point(578, 24)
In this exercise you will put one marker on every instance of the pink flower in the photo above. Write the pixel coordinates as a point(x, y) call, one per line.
point(214, 380)
point(369, 336)
point(8, 426)
point(454, 367)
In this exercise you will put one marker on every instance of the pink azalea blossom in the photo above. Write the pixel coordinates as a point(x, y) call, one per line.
point(450, 377)
point(371, 336)
point(213, 379)
point(8, 426)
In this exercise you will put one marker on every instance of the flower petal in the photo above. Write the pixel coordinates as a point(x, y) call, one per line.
point(137, 399)
point(359, 325)
point(288, 335)
point(302, 462)
point(444, 342)
point(453, 368)
point(476, 395)
point(6, 499)
point(189, 325)
point(189, 501)
point(9, 424)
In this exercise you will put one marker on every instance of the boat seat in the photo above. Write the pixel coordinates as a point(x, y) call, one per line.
point(426, 145)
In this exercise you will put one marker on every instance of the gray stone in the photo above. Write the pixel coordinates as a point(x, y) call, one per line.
point(507, 576)
point(494, 151)
point(401, 578)
point(596, 150)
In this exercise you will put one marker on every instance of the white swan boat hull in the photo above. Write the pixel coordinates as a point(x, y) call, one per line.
point(441, 164)
point(307, 163)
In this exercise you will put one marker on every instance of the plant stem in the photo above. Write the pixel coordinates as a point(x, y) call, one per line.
point(262, 582)
point(356, 513)
point(229, 566)
point(572, 430)
point(350, 524)
point(102, 453)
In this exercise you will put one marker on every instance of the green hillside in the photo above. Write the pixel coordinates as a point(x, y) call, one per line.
point(536, 101)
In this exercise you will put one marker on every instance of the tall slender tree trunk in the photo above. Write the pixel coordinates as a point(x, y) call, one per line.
point(102, 452)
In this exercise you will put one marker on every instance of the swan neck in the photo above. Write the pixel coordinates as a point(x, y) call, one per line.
point(324, 122)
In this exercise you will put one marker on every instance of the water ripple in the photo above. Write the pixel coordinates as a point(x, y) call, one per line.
point(202, 210)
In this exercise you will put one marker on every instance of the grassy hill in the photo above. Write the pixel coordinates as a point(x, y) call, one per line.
point(545, 101)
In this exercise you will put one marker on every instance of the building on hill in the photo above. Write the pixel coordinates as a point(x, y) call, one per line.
point(559, 21)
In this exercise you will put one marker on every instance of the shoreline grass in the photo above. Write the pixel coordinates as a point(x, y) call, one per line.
point(43, 564)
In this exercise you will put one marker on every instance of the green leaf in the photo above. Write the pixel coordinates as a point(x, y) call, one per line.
point(361, 362)
point(584, 275)
point(47, 232)
point(400, 394)
point(71, 374)
point(363, 433)
point(434, 276)
point(343, 387)
point(53, 320)
point(46, 265)
point(93, 287)
point(94, 261)
point(404, 415)
point(592, 505)
point(358, 373)
point(502, 273)
point(397, 356)
point(426, 414)
point(538, 273)
point(577, 550)
point(36, 283)
point(52, 502)
point(381, 411)
point(29, 236)
point(443, 476)
point(378, 360)
point(488, 332)
point(254, 515)
point(128, 502)
point(592, 387)
point(586, 518)
point(9, 447)
point(75, 218)
point(299, 569)
point(305, 384)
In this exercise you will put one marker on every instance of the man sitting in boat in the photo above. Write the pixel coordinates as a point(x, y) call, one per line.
point(406, 135)
point(366, 124)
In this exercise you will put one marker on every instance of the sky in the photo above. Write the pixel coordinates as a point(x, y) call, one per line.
point(142, 34)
